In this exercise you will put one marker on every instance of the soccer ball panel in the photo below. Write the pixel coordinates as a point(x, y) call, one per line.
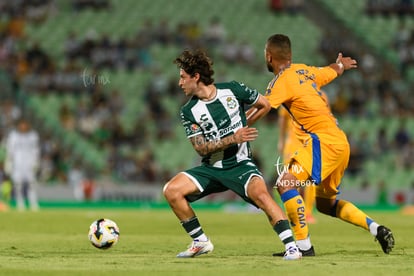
point(103, 233)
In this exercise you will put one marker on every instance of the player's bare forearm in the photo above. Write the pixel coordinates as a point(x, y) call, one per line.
point(259, 109)
point(204, 147)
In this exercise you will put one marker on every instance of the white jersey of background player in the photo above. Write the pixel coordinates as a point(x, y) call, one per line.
point(22, 161)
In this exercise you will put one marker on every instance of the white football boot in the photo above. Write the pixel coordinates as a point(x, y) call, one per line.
point(292, 253)
point(197, 248)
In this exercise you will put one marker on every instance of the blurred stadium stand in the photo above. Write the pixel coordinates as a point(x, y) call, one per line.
point(153, 146)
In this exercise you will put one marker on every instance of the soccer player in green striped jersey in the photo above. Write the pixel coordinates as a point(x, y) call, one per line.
point(215, 122)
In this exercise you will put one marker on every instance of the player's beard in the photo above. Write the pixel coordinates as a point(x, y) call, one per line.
point(269, 66)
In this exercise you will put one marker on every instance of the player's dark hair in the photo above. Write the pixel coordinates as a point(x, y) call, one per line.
point(196, 62)
point(280, 46)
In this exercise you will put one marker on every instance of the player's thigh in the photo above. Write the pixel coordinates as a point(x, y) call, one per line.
point(239, 179)
point(182, 184)
point(329, 188)
point(207, 181)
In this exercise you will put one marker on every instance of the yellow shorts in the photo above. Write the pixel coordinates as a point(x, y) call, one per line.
point(291, 146)
point(321, 162)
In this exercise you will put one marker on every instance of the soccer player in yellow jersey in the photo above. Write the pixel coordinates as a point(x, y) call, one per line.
point(323, 153)
point(287, 145)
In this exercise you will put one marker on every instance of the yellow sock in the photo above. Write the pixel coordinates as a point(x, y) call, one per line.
point(295, 209)
point(309, 197)
point(350, 213)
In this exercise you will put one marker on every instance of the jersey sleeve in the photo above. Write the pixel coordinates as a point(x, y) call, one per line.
point(277, 92)
point(244, 93)
point(323, 75)
point(191, 128)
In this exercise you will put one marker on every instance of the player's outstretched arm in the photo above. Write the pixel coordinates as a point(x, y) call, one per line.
point(258, 110)
point(204, 147)
point(343, 63)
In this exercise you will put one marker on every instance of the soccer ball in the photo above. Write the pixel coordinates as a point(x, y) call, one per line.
point(103, 233)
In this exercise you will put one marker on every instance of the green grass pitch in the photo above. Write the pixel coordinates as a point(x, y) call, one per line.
point(54, 242)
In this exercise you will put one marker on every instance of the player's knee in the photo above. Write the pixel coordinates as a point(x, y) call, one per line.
point(173, 190)
point(324, 206)
point(322, 209)
point(286, 182)
point(169, 191)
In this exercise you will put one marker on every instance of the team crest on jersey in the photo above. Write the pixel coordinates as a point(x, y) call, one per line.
point(231, 103)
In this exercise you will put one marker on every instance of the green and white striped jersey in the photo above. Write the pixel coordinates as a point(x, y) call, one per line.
point(218, 118)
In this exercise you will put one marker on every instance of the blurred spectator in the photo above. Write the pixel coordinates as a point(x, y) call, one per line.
point(276, 5)
point(356, 158)
point(115, 102)
point(164, 129)
point(87, 124)
point(156, 89)
point(193, 33)
point(37, 58)
point(333, 43)
point(229, 51)
point(357, 100)
point(406, 158)
point(79, 5)
point(365, 145)
point(76, 178)
point(246, 54)
point(21, 66)
point(388, 7)
point(382, 193)
point(22, 163)
point(389, 104)
point(10, 113)
point(38, 11)
point(215, 33)
point(402, 36)
point(293, 6)
point(180, 35)
point(402, 136)
point(50, 158)
point(89, 186)
point(142, 53)
point(66, 117)
point(71, 46)
point(68, 79)
point(17, 25)
point(381, 144)
point(147, 166)
point(368, 65)
point(340, 103)
point(163, 33)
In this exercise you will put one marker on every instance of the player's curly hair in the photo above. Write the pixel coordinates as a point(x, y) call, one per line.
point(197, 61)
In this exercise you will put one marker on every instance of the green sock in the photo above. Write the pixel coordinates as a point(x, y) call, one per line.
point(282, 228)
point(193, 228)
